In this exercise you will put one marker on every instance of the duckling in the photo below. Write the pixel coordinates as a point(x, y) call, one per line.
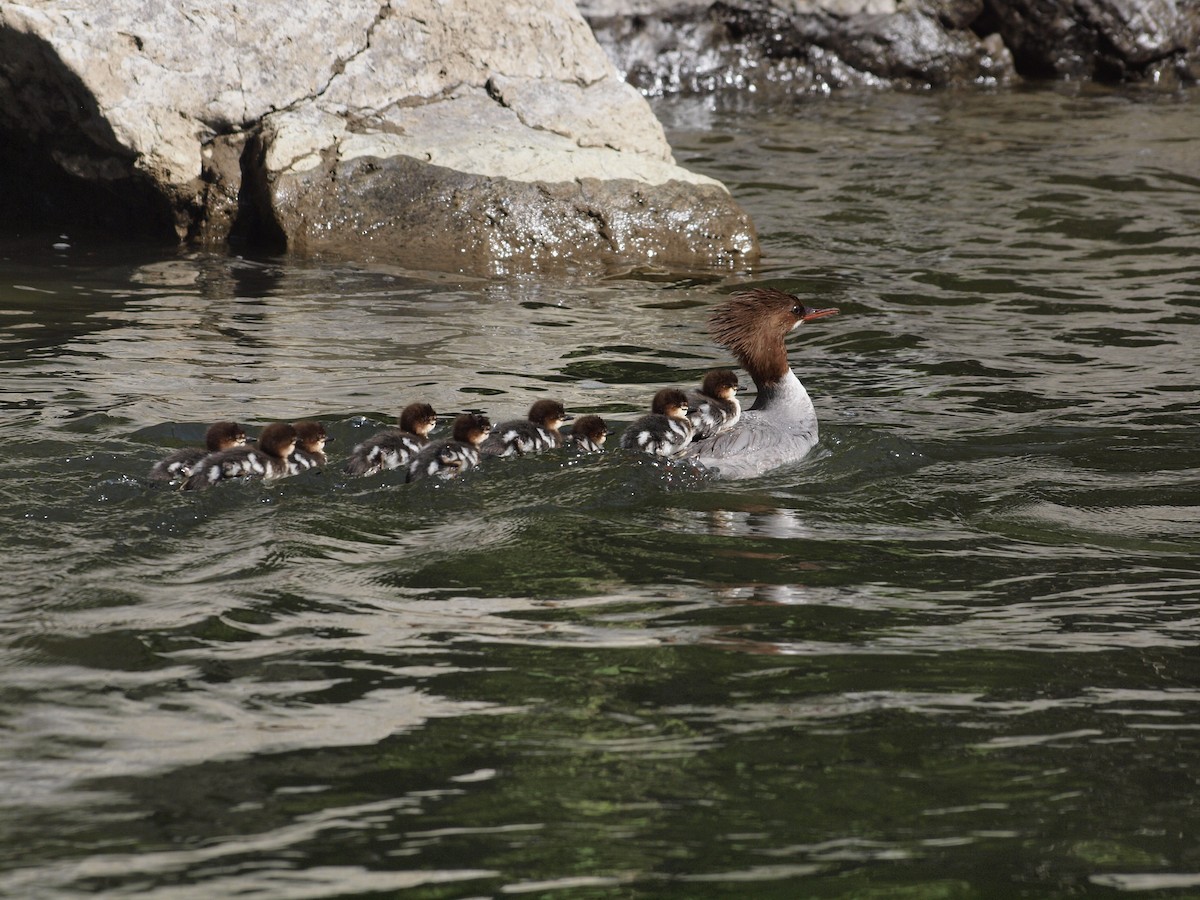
point(178, 465)
point(666, 431)
point(268, 460)
point(588, 434)
point(715, 407)
point(449, 458)
point(311, 439)
point(393, 448)
point(533, 434)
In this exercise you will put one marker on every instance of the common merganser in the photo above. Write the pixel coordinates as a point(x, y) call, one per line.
point(220, 436)
point(715, 407)
point(311, 439)
point(449, 458)
point(781, 426)
point(268, 460)
point(394, 447)
point(588, 433)
point(536, 432)
point(666, 431)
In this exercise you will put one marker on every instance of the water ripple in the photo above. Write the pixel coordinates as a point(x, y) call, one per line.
point(953, 652)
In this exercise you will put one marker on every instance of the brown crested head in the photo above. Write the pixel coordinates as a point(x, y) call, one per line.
point(752, 325)
point(720, 383)
point(670, 402)
point(418, 418)
point(549, 413)
point(472, 428)
point(223, 435)
point(278, 439)
point(591, 427)
point(312, 436)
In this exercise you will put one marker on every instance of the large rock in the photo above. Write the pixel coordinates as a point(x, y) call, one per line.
point(804, 45)
point(464, 133)
point(467, 168)
point(1110, 40)
point(664, 46)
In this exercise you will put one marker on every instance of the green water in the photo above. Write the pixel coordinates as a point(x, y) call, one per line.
point(953, 654)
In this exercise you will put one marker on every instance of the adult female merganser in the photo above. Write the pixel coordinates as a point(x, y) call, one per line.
point(715, 407)
point(394, 447)
point(533, 434)
point(311, 439)
point(781, 426)
point(268, 460)
point(220, 436)
point(666, 431)
point(588, 434)
point(446, 459)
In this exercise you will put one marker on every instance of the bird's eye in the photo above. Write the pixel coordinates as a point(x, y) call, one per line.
point(798, 311)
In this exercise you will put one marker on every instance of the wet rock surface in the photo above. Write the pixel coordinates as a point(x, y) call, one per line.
point(666, 46)
point(453, 133)
point(348, 207)
point(1108, 40)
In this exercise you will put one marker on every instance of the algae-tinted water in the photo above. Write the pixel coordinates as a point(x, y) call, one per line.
point(954, 654)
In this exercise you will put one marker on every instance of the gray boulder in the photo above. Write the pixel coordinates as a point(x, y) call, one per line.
point(469, 133)
point(664, 46)
point(1108, 40)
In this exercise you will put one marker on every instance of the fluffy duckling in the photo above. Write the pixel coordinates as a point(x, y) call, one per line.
point(268, 460)
point(588, 434)
point(178, 465)
point(393, 448)
point(715, 407)
point(311, 439)
point(533, 434)
point(450, 458)
point(666, 431)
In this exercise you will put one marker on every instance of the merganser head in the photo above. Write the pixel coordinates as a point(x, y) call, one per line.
point(472, 428)
point(418, 419)
point(548, 413)
point(311, 436)
point(752, 324)
point(721, 384)
point(223, 435)
point(670, 402)
point(278, 440)
point(593, 428)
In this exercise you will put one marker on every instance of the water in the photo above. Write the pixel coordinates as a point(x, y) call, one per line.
point(953, 654)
